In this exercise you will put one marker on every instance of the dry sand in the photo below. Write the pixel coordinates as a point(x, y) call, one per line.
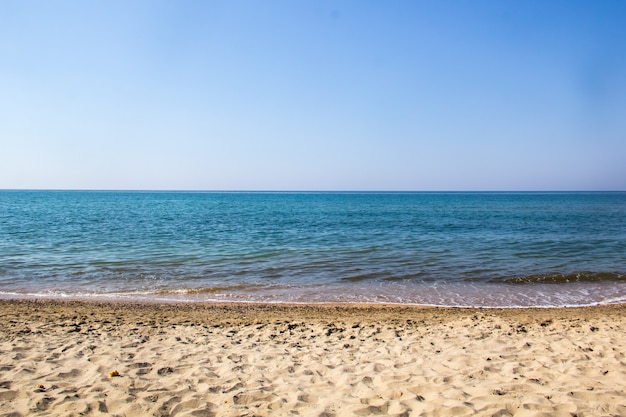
point(244, 360)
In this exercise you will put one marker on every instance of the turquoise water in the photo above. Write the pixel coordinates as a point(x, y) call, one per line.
point(482, 249)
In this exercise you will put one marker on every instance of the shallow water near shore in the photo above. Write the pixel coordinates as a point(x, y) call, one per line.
point(454, 249)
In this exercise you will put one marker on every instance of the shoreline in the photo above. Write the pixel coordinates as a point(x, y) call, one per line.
point(212, 311)
point(236, 359)
point(175, 301)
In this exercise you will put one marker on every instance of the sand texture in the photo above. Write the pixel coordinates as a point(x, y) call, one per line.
point(56, 358)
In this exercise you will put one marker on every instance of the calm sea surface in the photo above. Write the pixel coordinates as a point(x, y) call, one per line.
point(467, 249)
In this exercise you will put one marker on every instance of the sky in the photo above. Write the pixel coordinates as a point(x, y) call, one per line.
point(313, 95)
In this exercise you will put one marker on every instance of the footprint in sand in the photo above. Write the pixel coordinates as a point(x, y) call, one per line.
point(71, 374)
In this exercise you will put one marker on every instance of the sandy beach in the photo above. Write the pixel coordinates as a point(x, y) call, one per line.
point(132, 359)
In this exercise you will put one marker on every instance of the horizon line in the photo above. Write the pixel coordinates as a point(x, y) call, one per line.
point(164, 190)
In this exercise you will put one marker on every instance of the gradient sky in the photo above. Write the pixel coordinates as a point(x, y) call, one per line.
point(313, 95)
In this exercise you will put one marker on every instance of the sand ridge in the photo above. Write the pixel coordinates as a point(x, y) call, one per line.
point(254, 360)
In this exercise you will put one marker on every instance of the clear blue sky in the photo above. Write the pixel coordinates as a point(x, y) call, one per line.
point(313, 95)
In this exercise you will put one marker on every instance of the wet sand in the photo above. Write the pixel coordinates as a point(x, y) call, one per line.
point(61, 358)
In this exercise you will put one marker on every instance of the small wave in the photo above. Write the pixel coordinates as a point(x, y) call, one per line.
point(211, 290)
point(404, 277)
point(584, 276)
point(360, 277)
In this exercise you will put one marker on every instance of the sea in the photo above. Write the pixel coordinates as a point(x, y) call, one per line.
point(482, 249)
